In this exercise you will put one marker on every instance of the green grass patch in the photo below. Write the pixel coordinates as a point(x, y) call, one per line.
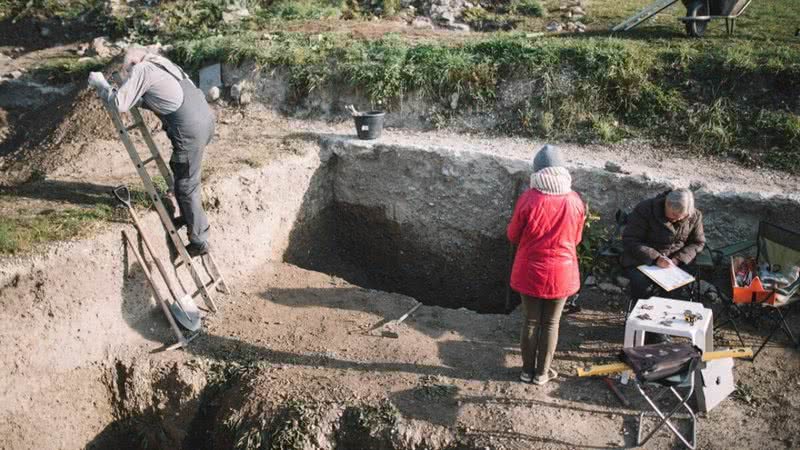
point(63, 70)
point(60, 9)
point(21, 234)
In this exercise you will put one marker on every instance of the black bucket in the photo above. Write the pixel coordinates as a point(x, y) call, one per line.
point(369, 124)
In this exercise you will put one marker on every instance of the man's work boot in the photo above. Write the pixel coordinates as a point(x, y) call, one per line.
point(195, 249)
point(178, 222)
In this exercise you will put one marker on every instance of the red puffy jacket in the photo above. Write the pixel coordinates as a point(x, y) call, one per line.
point(547, 229)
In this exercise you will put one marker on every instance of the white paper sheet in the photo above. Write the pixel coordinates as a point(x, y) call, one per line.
point(668, 278)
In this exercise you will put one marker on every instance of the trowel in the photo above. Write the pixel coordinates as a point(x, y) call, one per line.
point(387, 329)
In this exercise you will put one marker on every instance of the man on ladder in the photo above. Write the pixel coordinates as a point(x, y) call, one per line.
point(165, 89)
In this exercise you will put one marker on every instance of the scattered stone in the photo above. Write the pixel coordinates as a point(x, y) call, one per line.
point(444, 11)
point(581, 27)
point(82, 49)
point(697, 185)
point(234, 14)
point(16, 74)
point(454, 100)
point(459, 27)
point(576, 10)
point(422, 23)
point(622, 282)
point(45, 32)
point(238, 89)
point(553, 27)
point(609, 288)
point(213, 94)
point(102, 48)
point(589, 281)
point(571, 27)
point(613, 167)
point(245, 98)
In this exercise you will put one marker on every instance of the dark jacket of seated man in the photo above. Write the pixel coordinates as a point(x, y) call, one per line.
point(661, 231)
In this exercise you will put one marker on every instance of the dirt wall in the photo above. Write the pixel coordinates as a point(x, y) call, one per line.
point(430, 222)
point(67, 313)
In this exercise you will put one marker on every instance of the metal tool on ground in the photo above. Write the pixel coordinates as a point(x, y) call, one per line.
point(610, 383)
point(182, 306)
point(387, 329)
point(182, 340)
point(607, 369)
point(215, 279)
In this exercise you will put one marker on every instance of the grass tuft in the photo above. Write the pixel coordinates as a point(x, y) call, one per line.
point(22, 233)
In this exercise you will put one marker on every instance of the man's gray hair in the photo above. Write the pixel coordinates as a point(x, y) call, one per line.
point(681, 201)
point(134, 55)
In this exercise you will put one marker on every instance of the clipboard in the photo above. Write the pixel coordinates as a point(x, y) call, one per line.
point(669, 278)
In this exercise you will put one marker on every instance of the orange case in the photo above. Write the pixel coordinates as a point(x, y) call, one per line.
point(755, 293)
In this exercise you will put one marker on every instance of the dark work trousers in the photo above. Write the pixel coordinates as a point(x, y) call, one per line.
point(190, 129)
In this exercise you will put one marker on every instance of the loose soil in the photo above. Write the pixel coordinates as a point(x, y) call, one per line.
point(453, 373)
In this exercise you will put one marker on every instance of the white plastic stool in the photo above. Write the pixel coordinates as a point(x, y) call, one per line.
point(666, 316)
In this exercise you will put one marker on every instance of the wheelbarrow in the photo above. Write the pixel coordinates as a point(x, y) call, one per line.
point(700, 12)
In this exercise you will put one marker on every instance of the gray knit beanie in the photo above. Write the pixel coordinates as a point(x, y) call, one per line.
point(548, 156)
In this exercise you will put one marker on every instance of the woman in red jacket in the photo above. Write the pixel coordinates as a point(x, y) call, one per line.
point(547, 227)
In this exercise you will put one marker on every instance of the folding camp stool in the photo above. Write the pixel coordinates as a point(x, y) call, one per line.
point(648, 316)
point(685, 379)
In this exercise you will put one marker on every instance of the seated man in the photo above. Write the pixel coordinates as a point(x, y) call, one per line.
point(665, 230)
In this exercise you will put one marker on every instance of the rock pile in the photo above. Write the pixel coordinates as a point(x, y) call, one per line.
point(571, 13)
point(443, 13)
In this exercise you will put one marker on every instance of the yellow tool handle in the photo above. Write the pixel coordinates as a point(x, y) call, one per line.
point(605, 369)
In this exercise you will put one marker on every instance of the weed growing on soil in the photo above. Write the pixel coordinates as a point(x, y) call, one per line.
point(594, 237)
point(64, 70)
point(20, 233)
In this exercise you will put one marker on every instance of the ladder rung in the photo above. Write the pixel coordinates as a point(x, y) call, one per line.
point(209, 286)
point(134, 126)
point(148, 160)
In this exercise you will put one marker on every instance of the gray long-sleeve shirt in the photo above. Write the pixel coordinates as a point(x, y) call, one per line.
point(159, 90)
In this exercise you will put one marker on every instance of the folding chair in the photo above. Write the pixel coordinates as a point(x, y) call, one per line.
point(669, 383)
point(777, 246)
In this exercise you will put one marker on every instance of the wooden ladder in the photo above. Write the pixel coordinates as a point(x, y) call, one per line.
point(203, 288)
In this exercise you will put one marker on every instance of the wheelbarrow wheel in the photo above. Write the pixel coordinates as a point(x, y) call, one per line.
point(696, 28)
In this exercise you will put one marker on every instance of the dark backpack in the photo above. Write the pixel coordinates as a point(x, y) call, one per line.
point(658, 361)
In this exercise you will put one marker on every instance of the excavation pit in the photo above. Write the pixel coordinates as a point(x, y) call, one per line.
point(406, 222)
